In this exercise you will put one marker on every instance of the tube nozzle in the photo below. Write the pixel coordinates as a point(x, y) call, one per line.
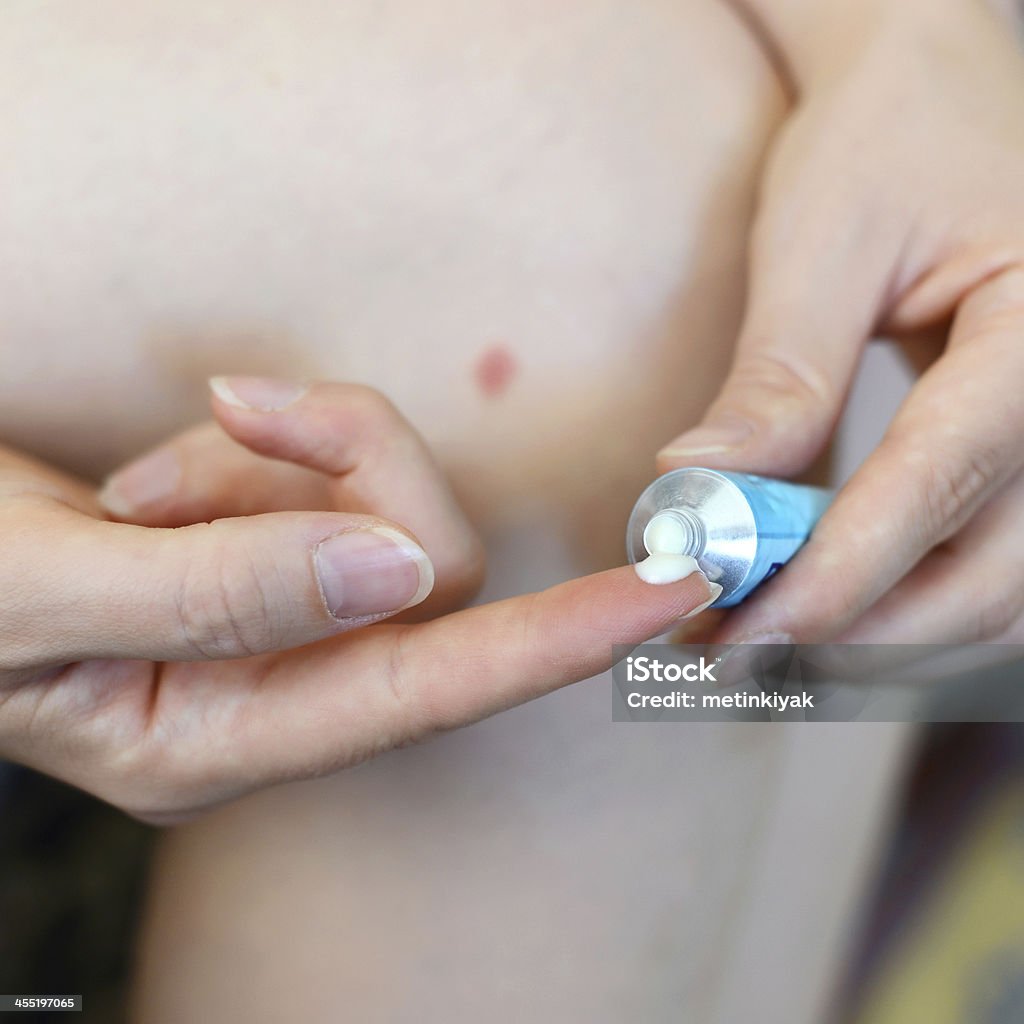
point(674, 531)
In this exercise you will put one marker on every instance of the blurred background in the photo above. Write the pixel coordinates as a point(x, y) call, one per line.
point(943, 933)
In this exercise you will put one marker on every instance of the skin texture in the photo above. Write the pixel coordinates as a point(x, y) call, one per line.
point(168, 285)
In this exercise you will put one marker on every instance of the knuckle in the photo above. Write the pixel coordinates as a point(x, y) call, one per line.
point(368, 405)
point(405, 701)
point(996, 613)
point(366, 419)
point(222, 604)
point(997, 618)
point(157, 790)
point(996, 308)
point(461, 578)
point(421, 702)
point(789, 381)
point(951, 486)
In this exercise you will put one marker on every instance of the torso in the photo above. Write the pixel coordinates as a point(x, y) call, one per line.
point(525, 223)
point(365, 192)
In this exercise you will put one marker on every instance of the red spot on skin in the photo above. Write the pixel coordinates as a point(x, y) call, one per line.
point(495, 370)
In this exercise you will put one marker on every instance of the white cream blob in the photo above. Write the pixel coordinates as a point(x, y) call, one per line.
point(661, 567)
point(665, 534)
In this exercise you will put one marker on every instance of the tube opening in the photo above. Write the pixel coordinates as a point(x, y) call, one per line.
point(675, 531)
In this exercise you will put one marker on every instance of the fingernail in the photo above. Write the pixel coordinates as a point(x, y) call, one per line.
point(716, 593)
point(152, 478)
point(370, 572)
point(262, 394)
point(712, 439)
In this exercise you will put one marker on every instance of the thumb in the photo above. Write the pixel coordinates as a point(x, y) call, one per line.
point(814, 295)
point(74, 587)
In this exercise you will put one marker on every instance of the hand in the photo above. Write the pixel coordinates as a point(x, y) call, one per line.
point(892, 204)
point(166, 670)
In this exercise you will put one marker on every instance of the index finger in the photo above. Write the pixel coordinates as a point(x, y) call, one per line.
point(342, 701)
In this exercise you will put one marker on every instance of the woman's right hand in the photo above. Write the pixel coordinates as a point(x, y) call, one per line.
point(168, 667)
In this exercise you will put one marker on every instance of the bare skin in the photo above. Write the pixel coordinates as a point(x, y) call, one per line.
point(542, 266)
point(287, 203)
point(251, 221)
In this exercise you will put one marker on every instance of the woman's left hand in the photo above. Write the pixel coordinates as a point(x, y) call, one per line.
point(892, 204)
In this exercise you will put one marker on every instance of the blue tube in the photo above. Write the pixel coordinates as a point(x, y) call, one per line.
point(741, 528)
point(784, 516)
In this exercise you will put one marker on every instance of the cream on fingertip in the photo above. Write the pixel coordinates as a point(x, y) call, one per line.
point(662, 568)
